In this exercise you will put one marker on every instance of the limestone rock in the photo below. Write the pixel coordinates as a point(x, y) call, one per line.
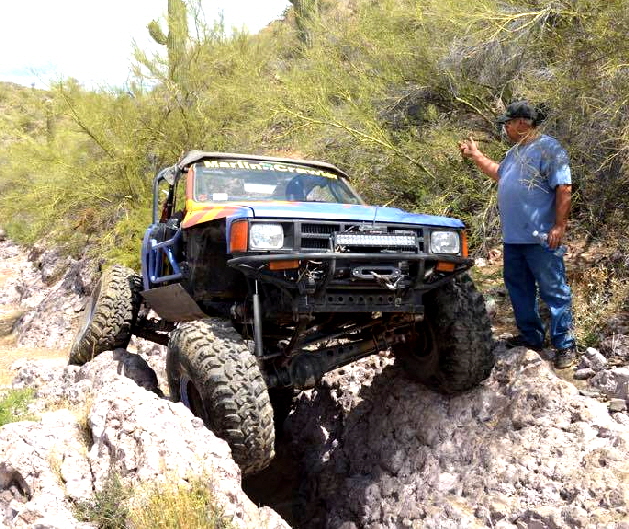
point(106, 366)
point(592, 358)
point(43, 466)
point(584, 373)
point(613, 382)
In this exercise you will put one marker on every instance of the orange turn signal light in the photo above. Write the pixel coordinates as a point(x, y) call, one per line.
point(443, 266)
point(283, 265)
point(464, 248)
point(239, 237)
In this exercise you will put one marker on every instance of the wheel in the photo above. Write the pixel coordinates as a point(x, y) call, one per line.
point(211, 370)
point(110, 315)
point(452, 349)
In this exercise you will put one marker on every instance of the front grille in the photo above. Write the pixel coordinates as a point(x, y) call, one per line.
point(319, 229)
point(315, 244)
point(319, 236)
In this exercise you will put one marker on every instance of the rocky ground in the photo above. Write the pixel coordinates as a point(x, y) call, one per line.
point(105, 418)
point(367, 448)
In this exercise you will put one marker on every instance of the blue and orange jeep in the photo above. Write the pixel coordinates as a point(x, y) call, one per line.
point(266, 273)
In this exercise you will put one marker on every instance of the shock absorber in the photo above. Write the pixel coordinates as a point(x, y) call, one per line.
point(257, 322)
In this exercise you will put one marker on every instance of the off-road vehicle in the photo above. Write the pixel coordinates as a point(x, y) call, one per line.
point(266, 273)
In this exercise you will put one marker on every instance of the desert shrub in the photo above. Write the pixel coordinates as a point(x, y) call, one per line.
point(108, 508)
point(172, 506)
point(14, 405)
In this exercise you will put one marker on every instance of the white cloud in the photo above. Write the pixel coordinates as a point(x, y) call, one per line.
point(92, 41)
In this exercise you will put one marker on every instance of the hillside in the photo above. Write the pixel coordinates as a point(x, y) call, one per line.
point(384, 90)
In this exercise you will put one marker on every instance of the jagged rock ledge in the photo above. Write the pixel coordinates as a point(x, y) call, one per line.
point(108, 422)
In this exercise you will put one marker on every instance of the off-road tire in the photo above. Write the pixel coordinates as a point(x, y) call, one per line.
point(452, 349)
point(211, 370)
point(109, 316)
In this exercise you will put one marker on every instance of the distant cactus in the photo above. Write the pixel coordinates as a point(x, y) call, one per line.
point(305, 13)
point(176, 39)
point(51, 120)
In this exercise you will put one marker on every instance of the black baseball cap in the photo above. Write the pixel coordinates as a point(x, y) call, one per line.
point(520, 109)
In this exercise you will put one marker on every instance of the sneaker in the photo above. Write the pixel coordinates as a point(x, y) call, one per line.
point(519, 341)
point(565, 357)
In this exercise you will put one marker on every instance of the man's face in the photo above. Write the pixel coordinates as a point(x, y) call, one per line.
point(517, 128)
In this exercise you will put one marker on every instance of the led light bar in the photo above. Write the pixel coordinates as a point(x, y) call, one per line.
point(376, 239)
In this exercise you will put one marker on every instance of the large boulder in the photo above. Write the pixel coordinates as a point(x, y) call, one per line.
point(523, 450)
point(43, 467)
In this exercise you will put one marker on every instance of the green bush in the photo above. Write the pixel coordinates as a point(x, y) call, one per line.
point(14, 405)
point(108, 509)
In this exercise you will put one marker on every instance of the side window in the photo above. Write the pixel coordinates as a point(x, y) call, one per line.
point(180, 195)
point(172, 199)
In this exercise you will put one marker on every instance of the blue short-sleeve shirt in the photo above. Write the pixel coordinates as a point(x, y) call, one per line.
point(528, 176)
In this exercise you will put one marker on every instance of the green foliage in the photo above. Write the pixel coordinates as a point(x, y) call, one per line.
point(120, 245)
point(14, 406)
point(385, 90)
point(108, 509)
point(161, 506)
point(306, 12)
point(179, 507)
point(600, 292)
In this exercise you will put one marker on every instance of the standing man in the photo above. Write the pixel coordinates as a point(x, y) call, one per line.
point(534, 194)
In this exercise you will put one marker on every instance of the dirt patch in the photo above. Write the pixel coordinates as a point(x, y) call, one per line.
point(10, 313)
point(10, 353)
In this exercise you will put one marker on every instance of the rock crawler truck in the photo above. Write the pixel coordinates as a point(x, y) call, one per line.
point(266, 273)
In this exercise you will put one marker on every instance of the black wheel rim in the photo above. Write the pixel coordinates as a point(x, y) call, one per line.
point(190, 397)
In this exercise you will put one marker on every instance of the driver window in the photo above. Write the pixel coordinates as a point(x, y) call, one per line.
point(180, 197)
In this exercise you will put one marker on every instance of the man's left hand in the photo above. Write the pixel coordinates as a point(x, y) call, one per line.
point(555, 236)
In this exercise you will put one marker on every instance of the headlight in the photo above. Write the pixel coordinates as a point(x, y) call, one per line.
point(264, 236)
point(445, 242)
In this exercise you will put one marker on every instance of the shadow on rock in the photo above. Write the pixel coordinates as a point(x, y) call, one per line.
point(379, 450)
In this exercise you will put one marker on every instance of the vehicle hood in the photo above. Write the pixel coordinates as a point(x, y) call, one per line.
point(200, 213)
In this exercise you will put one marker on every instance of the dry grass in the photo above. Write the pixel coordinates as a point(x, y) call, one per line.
point(179, 506)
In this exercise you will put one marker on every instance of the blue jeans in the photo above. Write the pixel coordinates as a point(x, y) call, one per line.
point(528, 267)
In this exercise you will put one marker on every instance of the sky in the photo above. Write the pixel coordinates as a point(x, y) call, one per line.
point(91, 40)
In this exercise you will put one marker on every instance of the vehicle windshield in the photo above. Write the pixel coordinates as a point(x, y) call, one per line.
point(233, 180)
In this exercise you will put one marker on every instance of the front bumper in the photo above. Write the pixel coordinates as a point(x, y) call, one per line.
point(343, 282)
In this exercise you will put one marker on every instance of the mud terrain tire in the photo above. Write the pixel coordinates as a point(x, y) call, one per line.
point(452, 349)
point(109, 316)
point(211, 370)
